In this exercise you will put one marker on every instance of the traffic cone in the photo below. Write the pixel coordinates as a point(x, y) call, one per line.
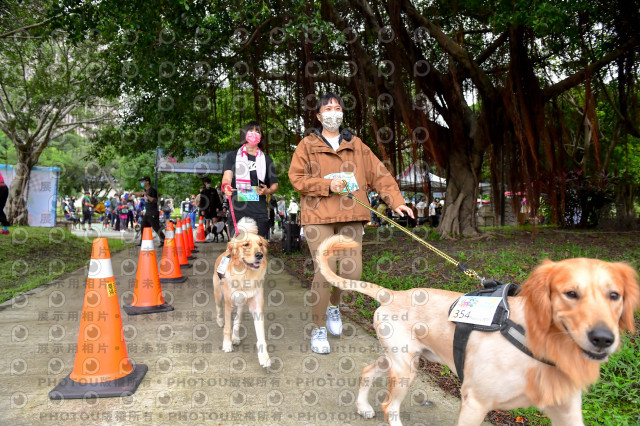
point(180, 247)
point(169, 264)
point(147, 295)
point(200, 236)
point(102, 367)
point(187, 241)
point(190, 234)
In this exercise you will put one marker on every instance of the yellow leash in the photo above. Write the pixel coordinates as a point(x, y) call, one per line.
point(467, 271)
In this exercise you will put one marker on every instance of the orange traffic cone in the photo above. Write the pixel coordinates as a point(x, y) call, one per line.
point(187, 241)
point(147, 295)
point(102, 367)
point(190, 235)
point(180, 247)
point(200, 236)
point(169, 264)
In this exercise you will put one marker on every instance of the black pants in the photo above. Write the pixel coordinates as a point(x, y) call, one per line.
point(4, 194)
point(87, 215)
point(263, 225)
point(153, 221)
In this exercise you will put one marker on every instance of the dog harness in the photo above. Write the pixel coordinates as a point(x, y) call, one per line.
point(511, 331)
point(222, 267)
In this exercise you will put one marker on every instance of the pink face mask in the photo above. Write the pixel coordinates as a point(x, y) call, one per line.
point(253, 138)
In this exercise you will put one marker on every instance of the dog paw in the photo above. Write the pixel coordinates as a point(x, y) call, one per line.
point(264, 359)
point(220, 322)
point(227, 347)
point(366, 410)
point(235, 340)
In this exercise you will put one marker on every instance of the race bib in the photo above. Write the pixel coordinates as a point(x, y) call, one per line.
point(222, 267)
point(349, 177)
point(248, 194)
point(475, 310)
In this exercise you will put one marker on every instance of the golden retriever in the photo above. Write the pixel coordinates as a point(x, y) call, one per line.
point(242, 284)
point(572, 311)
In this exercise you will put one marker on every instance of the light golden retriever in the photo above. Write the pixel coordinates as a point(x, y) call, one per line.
point(572, 311)
point(242, 285)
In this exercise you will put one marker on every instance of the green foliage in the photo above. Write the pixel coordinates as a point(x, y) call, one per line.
point(33, 257)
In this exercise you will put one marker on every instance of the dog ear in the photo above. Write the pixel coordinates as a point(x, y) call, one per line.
point(630, 294)
point(537, 295)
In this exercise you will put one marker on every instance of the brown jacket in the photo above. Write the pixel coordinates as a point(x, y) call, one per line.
point(314, 159)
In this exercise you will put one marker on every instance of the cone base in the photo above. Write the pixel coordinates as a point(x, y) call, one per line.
point(203, 242)
point(186, 265)
point(176, 280)
point(124, 386)
point(139, 310)
point(191, 257)
point(194, 250)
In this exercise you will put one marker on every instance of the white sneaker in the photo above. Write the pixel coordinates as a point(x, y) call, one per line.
point(319, 342)
point(334, 322)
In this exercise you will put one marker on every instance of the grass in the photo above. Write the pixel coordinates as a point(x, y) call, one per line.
point(32, 257)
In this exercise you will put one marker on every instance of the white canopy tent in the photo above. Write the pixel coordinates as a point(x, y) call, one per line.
point(413, 177)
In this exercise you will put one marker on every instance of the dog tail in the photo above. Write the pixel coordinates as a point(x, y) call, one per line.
point(246, 224)
point(334, 246)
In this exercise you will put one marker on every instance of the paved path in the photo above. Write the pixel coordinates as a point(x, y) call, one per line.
point(190, 379)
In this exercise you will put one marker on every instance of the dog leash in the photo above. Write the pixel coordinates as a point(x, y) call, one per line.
point(465, 270)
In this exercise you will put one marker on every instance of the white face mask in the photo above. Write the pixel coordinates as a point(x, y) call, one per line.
point(331, 120)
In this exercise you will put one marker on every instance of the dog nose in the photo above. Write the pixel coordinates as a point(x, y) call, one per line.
point(601, 337)
point(259, 255)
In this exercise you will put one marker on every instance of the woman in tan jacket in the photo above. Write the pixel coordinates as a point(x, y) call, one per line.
point(321, 164)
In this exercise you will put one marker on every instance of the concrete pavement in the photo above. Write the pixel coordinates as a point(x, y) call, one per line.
point(190, 379)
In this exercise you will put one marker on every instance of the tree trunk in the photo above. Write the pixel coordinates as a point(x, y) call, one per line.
point(458, 216)
point(17, 213)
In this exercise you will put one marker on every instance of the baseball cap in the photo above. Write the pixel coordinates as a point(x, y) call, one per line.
point(147, 178)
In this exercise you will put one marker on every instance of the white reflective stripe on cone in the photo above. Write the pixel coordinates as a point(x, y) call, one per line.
point(100, 268)
point(147, 245)
point(179, 230)
point(169, 234)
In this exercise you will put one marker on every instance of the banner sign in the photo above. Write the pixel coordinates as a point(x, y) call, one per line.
point(203, 164)
point(42, 192)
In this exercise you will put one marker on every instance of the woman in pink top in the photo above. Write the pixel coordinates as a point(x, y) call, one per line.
point(4, 194)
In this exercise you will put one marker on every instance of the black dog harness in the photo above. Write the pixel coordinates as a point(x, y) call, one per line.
point(513, 332)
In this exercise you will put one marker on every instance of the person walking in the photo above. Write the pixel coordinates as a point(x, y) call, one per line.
point(193, 211)
point(4, 194)
point(151, 214)
point(321, 164)
point(249, 176)
point(292, 211)
point(282, 211)
point(209, 204)
point(87, 211)
point(433, 212)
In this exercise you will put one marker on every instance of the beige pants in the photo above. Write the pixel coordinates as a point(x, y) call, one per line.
point(350, 265)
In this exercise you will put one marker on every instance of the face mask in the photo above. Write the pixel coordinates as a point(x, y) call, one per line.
point(253, 138)
point(331, 120)
point(141, 185)
point(208, 185)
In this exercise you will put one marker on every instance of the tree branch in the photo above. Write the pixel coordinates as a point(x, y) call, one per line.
point(28, 27)
point(578, 77)
point(463, 57)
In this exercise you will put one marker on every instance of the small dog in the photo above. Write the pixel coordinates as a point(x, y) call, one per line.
point(572, 312)
point(219, 228)
point(241, 283)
